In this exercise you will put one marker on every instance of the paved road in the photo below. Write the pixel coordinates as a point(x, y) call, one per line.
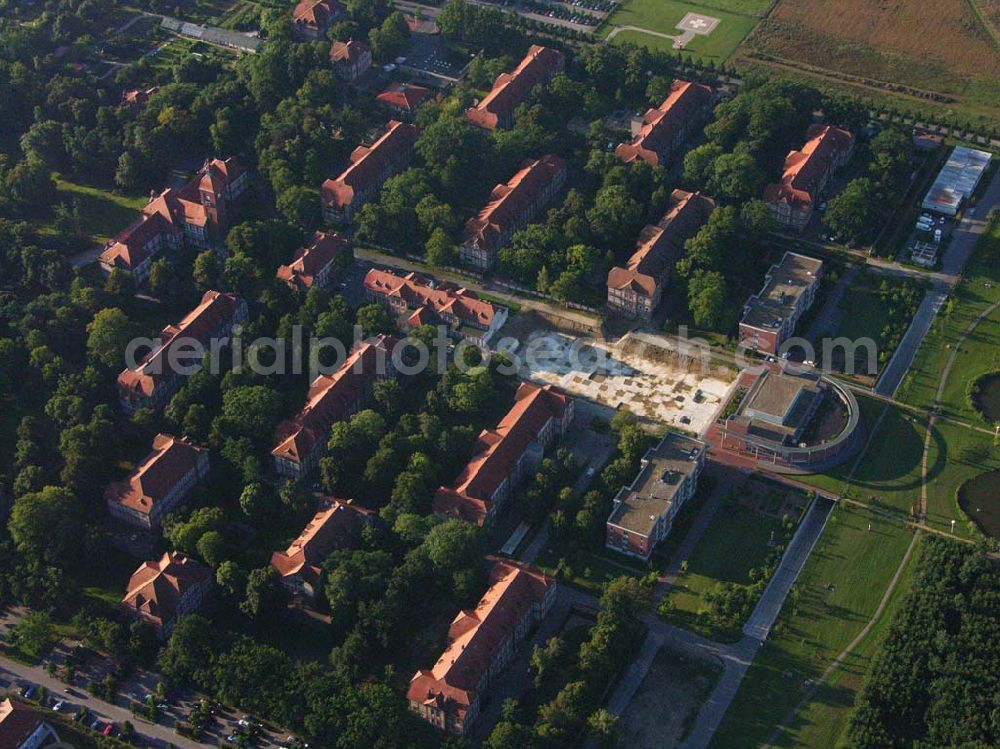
point(904, 354)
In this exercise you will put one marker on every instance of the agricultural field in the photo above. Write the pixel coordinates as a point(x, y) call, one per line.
point(736, 19)
point(944, 49)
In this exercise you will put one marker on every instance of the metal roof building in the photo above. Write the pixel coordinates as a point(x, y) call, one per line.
point(957, 180)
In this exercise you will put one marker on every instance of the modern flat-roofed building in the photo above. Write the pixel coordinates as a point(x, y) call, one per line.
point(644, 511)
point(807, 172)
point(505, 455)
point(511, 207)
point(301, 442)
point(662, 130)
point(156, 379)
point(481, 643)
point(770, 316)
point(496, 110)
point(370, 167)
point(159, 484)
point(314, 265)
point(636, 288)
point(160, 592)
point(957, 180)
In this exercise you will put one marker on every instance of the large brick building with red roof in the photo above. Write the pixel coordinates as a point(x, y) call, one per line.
point(314, 265)
point(505, 455)
point(511, 207)
point(199, 213)
point(807, 172)
point(464, 312)
point(404, 98)
point(160, 592)
point(665, 128)
point(636, 288)
point(155, 380)
point(370, 167)
point(23, 727)
point(337, 525)
point(496, 110)
point(301, 442)
point(159, 483)
point(481, 643)
point(312, 18)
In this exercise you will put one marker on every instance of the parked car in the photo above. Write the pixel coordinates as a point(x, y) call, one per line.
point(109, 729)
point(58, 707)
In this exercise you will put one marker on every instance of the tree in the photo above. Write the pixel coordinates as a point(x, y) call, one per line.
point(707, 298)
point(544, 658)
point(374, 319)
point(615, 216)
point(211, 548)
point(299, 205)
point(440, 249)
point(251, 410)
point(265, 595)
point(453, 545)
point(391, 38)
point(108, 334)
point(258, 502)
point(232, 579)
point(163, 279)
point(46, 526)
point(603, 727)
point(191, 651)
point(206, 270)
point(853, 210)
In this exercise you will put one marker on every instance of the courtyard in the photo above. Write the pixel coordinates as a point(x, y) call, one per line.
point(664, 389)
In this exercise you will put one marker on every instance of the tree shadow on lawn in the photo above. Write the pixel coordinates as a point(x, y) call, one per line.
point(891, 469)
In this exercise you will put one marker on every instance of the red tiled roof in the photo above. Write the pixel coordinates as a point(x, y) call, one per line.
point(475, 637)
point(510, 89)
point(445, 298)
point(368, 164)
point(310, 261)
point(200, 324)
point(498, 451)
point(508, 202)
point(686, 99)
point(660, 245)
point(156, 588)
point(17, 723)
point(157, 475)
point(350, 51)
point(329, 398)
point(333, 527)
point(404, 96)
point(316, 14)
point(169, 212)
point(805, 169)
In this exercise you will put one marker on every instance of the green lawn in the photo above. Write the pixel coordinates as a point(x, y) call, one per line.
point(592, 569)
point(821, 721)
point(104, 213)
point(738, 17)
point(837, 593)
point(979, 289)
point(957, 454)
point(735, 543)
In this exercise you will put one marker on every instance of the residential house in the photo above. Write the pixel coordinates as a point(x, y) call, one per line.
point(24, 727)
point(496, 110)
point(351, 59)
point(314, 265)
point(423, 300)
point(644, 511)
point(197, 214)
point(511, 207)
point(505, 455)
point(770, 316)
point(807, 172)
point(662, 130)
point(481, 643)
point(370, 167)
point(636, 288)
point(403, 99)
point(162, 591)
point(159, 483)
point(161, 372)
point(312, 18)
point(337, 525)
point(301, 442)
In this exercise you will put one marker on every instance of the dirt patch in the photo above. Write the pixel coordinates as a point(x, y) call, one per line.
point(664, 708)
